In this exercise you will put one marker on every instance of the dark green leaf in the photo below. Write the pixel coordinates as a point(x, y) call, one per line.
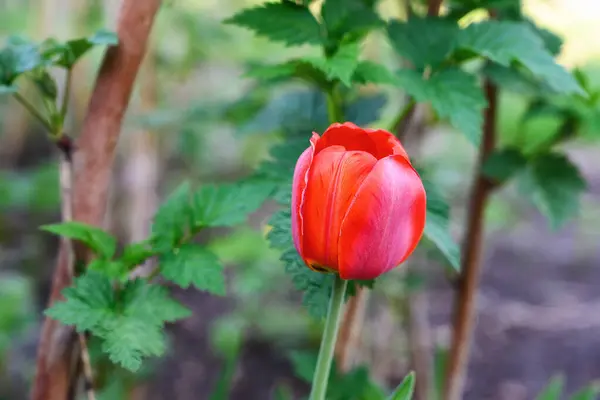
point(68, 53)
point(505, 42)
point(341, 65)
point(437, 225)
point(102, 243)
point(18, 56)
point(46, 85)
point(554, 389)
point(194, 265)
point(111, 269)
point(301, 69)
point(453, 94)
point(504, 164)
point(227, 205)
point(283, 21)
point(151, 303)
point(135, 254)
point(552, 42)
point(348, 20)
point(172, 220)
point(406, 389)
point(370, 72)
point(88, 303)
point(517, 79)
point(423, 42)
point(554, 185)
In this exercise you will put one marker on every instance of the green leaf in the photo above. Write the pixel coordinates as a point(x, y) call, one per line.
point(101, 242)
point(17, 57)
point(406, 389)
point(370, 72)
point(341, 65)
point(303, 363)
point(301, 69)
point(553, 390)
point(554, 185)
point(423, 41)
point(46, 85)
point(194, 265)
point(437, 225)
point(453, 94)
point(504, 164)
point(230, 204)
point(284, 21)
point(517, 79)
point(109, 268)
point(88, 303)
point(505, 42)
point(589, 392)
point(68, 53)
point(172, 220)
point(348, 20)
point(151, 303)
point(135, 254)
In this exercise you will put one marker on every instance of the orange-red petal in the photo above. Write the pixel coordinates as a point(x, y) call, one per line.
point(298, 189)
point(334, 177)
point(348, 135)
point(384, 222)
point(386, 144)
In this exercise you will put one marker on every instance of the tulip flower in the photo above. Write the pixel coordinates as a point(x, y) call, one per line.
point(358, 205)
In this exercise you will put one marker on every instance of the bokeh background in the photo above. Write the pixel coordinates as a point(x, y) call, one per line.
point(539, 303)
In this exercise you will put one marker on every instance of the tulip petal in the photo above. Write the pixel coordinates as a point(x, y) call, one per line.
point(386, 143)
point(334, 177)
point(348, 135)
point(384, 222)
point(298, 190)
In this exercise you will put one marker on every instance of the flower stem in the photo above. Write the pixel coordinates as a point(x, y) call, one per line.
point(332, 323)
point(334, 111)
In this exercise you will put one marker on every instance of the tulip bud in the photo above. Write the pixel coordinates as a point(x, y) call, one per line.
point(358, 205)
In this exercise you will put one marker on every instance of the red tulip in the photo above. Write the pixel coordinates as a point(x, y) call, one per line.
point(358, 205)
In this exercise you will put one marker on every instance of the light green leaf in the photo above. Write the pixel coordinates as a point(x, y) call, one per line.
point(230, 204)
point(437, 225)
point(151, 303)
point(370, 72)
point(172, 220)
point(504, 164)
point(46, 85)
point(505, 42)
point(136, 253)
point(406, 389)
point(589, 392)
point(102, 243)
point(17, 57)
point(284, 21)
point(194, 265)
point(66, 54)
point(423, 42)
point(453, 94)
point(111, 269)
point(348, 20)
point(339, 66)
point(554, 389)
point(554, 185)
point(87, 303)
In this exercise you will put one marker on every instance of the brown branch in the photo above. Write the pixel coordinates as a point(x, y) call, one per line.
point(464, 312)
point(433, 8)
point(95, 152)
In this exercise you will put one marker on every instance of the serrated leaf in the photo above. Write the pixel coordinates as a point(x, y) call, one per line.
point(285, 21)
point(423, 41)
point(517, 80)
point(437, 225)
point(554, 185)
point(406, 389)
point(505, 42)
point(301, 69)
point(348, 20)
point(66, 54)
point(151, 303)
point(370, 72)
point(111, 269)
point(453, 94)
point(87, 303)
point(172, 220)
point(101, 242)
point(341, 65)
point(194, 265)
point(136, 253)
point(553, 390)
point(503, 164)
point(230, 204)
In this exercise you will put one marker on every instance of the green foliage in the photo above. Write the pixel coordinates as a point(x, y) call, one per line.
point(66, 54)
point(284, 21)
point(341, 65)
point(17, 310)
point(406, 389)
point(554, 185)
point(453, 94)
point(370, 72)
point(554, 389)
point(129, 320)
point(348, 21)
point(194, 265)
point(102, 243)
point(173, 219)
point(504, 164)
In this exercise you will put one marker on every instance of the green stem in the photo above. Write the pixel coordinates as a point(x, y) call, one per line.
point(332, 323)
point(403, 113)
point(334, 110)
point(33, 111)
point(66, 95)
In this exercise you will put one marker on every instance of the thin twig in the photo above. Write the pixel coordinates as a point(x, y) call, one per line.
point(66, 95)
point(33, 111)
point(93, 169)
point(464, 312)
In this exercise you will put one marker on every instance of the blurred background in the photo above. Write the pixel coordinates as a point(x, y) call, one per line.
point(539, 300)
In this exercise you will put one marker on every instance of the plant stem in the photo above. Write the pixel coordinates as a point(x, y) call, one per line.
point(33, 111)
point(334, 110)
point(410, 104)
point(66, 96)
point(332, 323)
point(464, 311)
